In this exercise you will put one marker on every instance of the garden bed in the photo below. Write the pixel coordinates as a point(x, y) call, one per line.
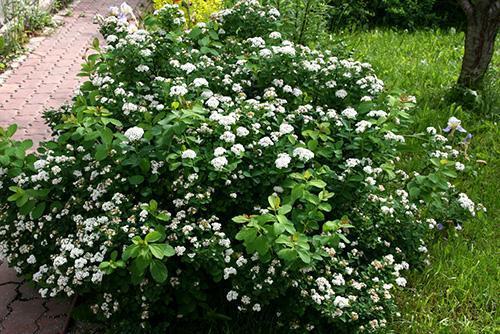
point(224, 171)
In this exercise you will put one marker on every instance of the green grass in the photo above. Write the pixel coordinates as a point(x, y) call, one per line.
point(458, 292)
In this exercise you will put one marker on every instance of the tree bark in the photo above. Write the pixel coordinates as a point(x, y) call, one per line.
point(482, 26)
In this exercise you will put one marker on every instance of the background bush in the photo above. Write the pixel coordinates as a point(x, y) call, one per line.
point(406, 14)
point(196, 10)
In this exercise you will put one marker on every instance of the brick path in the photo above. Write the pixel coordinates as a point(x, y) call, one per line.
point(45, 79)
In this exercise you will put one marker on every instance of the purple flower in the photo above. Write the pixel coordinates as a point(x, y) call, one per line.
point(454, 124)
point(440, 226)
point(468, 138)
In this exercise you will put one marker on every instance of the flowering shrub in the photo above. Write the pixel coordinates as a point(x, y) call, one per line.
point(196, 10)
point(214, 171)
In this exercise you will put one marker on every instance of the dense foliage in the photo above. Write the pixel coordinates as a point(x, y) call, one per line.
point(407, 14)
point(225, 169)
point(194, 10)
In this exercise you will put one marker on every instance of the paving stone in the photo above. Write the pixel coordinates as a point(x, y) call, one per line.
point(28, 292)
point(8, 275)
point(49, 325)
point(57, 307)
point(7, 294)
point(22, 319)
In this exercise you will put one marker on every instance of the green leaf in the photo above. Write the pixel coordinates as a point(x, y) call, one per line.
point(278, 228)
point(168, 250)
point(140, 264)
point(331, 226)
point(287, 254)
point(158, 270)
point(304, 256)
point(450, 173)
point(204, 41)
point(285, 209)
point(95, 44)
point(297, 192)
point(22, 200)
point(145, 165)
point(136, 179)
point(246, 234)
point(153, 236)
point(274, 202)
point(101, 152)
point(260, 245)
point(241, 219)
point(318, 183)
point(157, 251)
point(282, 219)
point(131, 252)
point(163, 216)
point(107, 136)
point(38, 210)
point(325, 207)
point(11, 130)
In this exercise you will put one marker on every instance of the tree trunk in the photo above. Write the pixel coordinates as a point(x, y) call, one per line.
point(482, 26)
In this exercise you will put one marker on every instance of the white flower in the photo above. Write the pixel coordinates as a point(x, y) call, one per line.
point(237, 149)
point(134, 134)
point(431, 130)
point(257, 42)
point(59, 261)
point(146, 53)
point(40, 164)
point(232, 295)
point(188, 68)
point(188, 154)
point(212, 102)
point(341, 302)
point(265, 142)
point(179, 250)
point(459, 166)
point(229, 271)
point(303, 154)
point(142, 68)
point(126, 9)
point(178, 90)
point(282, 161)
point(401, 281)
point(377, 113)
point(275, 35)
point(111, 39)
point(256, 308)
point(219, 151)
point(392, 136)
point(265, 53)
point(242, 132)
point(361, 126)
point(228, 137)
point(219, 162)
point(422, 249)
point(200, 82)
point(286, 128)
point(128, 107)
point(341, 93)
point(466, 203)
point(349, 113)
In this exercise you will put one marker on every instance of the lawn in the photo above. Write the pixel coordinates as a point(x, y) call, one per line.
point(458, 292)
